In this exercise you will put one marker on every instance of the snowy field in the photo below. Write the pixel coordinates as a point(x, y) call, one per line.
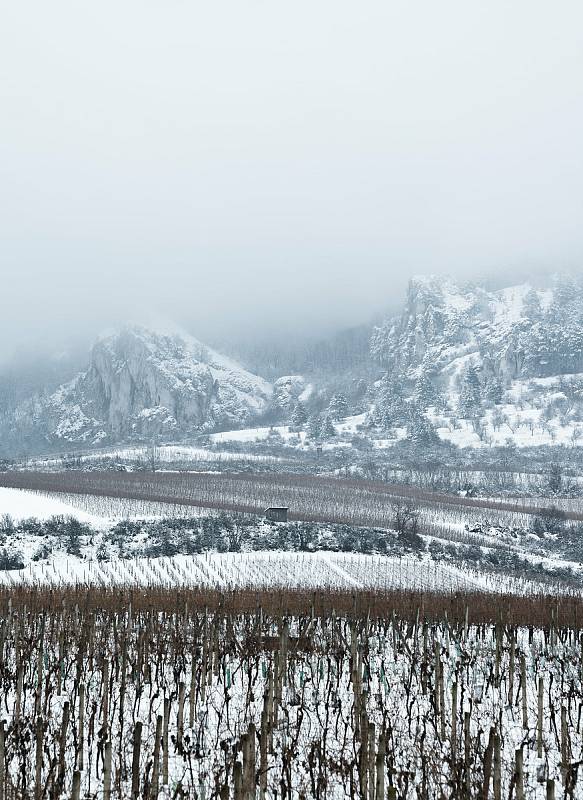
point(260, 570)
point(163, 454)
point(20, 504)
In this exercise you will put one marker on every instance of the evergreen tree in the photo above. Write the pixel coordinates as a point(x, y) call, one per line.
point(299, 415)
point(493, 390)
point(471, 394)
point(531, 306)
point(327, 428)
point(314, 427)
point(555, 478)
point(390, 408)
point(425, 392)
point(338, 406)
point(420, 430)
point(74, 533)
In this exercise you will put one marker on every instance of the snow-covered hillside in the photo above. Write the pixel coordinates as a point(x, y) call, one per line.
point(481, 368)
point(140, 384)
point(510, 333)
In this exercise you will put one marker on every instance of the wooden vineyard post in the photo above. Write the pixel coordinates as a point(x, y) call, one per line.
point(80, 728)
point(107, 772)
point(276, 688)
point(105, 704)
point(497, 768)
point(442, 700)
point(252, 765)
point(270, 709)
point(263, 755)
point(39, 678)
point(467, 751)
point(19, 682)
point(488, 754)
point(371, 759)
point(137, 742)
point(511, 669)
point(551, 789)
point(453, 722)
point(363, 755)
point(38, 788)
point(204, 676)
point(380, 769)
point(62, 745)
point(76, 789)
point(2, 761)
point(238, 780)
point(524, 691)
point(498, 657)
point(165, 742)
point(436, 687)
point(180, 720)
point(249, 763)
point(565, 754)
point(156, 765)
point(539, 734)
point(191, 692)
point(519, 774)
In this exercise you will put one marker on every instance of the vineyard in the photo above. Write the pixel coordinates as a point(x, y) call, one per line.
point(263, 694)
point(279, 570)
point(310, 498)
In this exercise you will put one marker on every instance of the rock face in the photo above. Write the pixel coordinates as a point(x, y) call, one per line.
point(141, 384)
point(140, 380)
point(507, 334)
point(289, 390)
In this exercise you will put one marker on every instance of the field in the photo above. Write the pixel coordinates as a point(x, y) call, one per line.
point(309, 497)
point(166, 693)
point(282, 673)
point(279, 570)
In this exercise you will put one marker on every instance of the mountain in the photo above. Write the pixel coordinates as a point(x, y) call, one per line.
point(501, 360)
point(140, 384)
point(444, 324)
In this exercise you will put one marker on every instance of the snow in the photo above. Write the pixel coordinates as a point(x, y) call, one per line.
point(20, 504)
point(508, 304)
point(454, 301)
point(523, 423)
point(249, 435)
point(347, 425)
point(350, 424)
point(321, 570)
point(164, 454)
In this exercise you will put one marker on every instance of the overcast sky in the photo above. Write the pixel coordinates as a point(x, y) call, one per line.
point(210, 160)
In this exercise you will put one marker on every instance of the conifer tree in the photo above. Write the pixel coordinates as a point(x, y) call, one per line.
point(471, 393)
point(299, 415)
point(338, 406)
point(327, 429)
point(314, 428)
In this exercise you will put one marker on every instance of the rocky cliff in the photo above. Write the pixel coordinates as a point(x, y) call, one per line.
point(518, 331)
point(141, 384)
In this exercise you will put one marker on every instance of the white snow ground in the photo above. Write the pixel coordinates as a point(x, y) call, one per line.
point(227, 571)
point(20, 504)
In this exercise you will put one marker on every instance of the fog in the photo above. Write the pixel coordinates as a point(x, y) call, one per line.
point(264, 168)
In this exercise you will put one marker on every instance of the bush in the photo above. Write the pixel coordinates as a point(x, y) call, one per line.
point(10, 560)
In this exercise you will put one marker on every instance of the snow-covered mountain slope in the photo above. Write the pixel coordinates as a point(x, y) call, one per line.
point(142, 383)
point(516, 331)
point(487, 362)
